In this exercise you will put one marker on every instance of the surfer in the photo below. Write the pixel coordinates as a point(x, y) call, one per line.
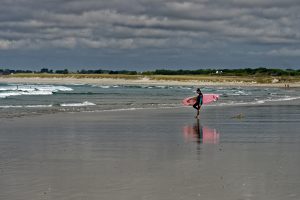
point(199, 102)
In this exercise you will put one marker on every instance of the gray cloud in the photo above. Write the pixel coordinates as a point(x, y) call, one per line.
point(196, 25)
point(284, 52)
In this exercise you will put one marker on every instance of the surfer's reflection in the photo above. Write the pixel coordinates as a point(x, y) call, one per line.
point(201, 134)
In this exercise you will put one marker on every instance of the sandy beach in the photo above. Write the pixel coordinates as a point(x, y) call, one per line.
point(141, 81)
point(153, 154)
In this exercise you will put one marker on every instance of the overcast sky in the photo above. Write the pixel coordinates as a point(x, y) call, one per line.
point(149, 34)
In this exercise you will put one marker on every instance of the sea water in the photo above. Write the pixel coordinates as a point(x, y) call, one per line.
point(30, 99)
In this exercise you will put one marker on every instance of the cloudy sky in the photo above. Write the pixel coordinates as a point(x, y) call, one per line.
point(149, 34)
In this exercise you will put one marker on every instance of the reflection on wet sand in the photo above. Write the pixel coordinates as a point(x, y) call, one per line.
point(201, 134)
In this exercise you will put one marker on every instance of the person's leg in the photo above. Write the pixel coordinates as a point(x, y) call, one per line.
point(197, 116)
point(195, 106)
point(198, 111)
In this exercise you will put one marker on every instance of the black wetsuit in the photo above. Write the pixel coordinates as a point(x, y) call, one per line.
point(199, 101)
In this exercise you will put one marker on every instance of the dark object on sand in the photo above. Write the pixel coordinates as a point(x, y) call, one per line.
point(239, 116)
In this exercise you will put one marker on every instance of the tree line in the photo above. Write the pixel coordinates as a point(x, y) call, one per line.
point(228, 72)
point(220, 72)
point(66, 71)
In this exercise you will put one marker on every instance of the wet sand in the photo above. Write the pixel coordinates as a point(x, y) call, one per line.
point(153, 154)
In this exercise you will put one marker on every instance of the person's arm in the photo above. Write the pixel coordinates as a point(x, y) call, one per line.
point(198, 99)
point(201, 99)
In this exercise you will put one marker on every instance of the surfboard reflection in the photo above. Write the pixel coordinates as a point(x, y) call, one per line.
point(201, 134)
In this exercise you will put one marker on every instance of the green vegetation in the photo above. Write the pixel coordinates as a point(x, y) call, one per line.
point(224, 78)
point(228, 72)
point(247, 75)
point(74, 75)
point(65, 71)
point(220, 72)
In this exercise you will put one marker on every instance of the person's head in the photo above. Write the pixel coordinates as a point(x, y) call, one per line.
point(198, 91)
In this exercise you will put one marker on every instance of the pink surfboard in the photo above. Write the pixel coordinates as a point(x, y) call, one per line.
point(207, 98)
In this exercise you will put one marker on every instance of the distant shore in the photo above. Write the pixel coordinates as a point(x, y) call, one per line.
point(153, 80)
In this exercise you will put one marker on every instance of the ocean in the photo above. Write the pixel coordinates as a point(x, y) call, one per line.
point(32, 99)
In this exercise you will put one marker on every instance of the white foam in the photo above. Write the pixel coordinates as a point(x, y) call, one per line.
point(38, 106)
point(257, 101)
point(104, 86)
point(77, 84)
point(237, 93)
point(161, 86)
point(17, 90)
point(26, 106)
point(260, 101)
point(86, 103)
point(11, 106)
point(286, 98)
point(185, 88)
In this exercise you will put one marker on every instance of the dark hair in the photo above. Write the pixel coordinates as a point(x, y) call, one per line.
point(199, 91)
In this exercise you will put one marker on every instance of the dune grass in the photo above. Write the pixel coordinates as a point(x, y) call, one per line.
point(215, 78)
point(184, 78)
point(77, 76)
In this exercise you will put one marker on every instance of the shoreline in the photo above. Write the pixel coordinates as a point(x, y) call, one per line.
point(142, 81)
